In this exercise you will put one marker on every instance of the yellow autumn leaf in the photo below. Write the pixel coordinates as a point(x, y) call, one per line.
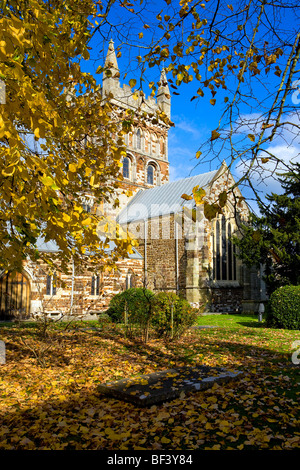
point(266, 126)
point(72, 167)
point(199, 194)
point(9, 171)
point(132, 82)
point(163, 415)
point(47, 181)
point(186, 197)
point(214, 135)
point(38, 129)
point(115, 436)
point(66, 217)
point(87, 221)
point(81, 161)
point(210, 211)
point(165, 440)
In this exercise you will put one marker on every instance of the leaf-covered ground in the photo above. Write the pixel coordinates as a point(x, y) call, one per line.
point(49, 398)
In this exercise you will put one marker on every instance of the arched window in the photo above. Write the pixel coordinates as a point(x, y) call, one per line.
point(51, 284)
point(150, 174)
point(129, 282)
point(224, 249)
point(224, 259)
point(95, 285)
point(126, 167)
point(139, 139)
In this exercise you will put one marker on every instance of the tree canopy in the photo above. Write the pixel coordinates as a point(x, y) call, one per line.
point(241, 56)
point(59, 141)
point(274, 238)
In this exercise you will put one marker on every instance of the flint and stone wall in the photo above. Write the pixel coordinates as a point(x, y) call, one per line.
point(84, 303)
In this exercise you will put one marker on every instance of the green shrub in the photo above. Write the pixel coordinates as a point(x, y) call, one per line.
point(136, 300)
point(103, 318)
point(283, 309)
point(184, 315)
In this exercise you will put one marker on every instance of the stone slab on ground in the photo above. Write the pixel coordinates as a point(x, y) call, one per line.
point(166, 385)
point(199, 327)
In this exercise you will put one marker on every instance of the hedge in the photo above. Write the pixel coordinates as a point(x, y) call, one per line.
point(283, 309)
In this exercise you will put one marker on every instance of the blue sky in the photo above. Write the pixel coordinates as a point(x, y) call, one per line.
point(194, 120)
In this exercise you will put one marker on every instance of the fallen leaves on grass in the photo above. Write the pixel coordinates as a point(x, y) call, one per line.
point(58, 407)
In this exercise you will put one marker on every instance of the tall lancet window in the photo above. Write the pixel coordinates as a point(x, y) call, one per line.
point(224, 257)
point(126, 167)
point(150, 174)
point(139, 139)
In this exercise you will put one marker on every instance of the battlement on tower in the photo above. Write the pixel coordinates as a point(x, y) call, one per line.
point(135, 99)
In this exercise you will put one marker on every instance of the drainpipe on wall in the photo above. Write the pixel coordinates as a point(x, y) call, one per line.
point(145, 251)
point(176, 254)
point(72, 287)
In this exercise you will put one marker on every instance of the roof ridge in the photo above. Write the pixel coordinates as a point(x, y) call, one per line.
point(185, 179)
point(163, 199)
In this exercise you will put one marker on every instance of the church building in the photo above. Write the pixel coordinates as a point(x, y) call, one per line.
point(180, 250)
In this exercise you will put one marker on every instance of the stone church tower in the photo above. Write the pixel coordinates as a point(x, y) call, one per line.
point(146, 164)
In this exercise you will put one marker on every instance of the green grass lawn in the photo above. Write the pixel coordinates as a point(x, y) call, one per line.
point(230, 321)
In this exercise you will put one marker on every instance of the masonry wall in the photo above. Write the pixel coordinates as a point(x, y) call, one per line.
point(84, 303)
point(186, 265)
point(164, 257)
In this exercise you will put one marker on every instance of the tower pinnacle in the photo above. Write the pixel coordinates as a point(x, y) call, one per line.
point(111, 72)
point(163, 94)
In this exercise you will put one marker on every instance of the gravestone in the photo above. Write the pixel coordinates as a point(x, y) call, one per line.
point(166, 385)
point(2, 353)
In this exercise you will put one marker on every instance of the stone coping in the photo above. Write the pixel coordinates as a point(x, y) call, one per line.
point(161, 386)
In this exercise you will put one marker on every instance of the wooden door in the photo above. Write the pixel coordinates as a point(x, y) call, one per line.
point(14, 296)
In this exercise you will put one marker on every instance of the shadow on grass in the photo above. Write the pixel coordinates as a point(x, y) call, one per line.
point(85, 419)
point(252, 324)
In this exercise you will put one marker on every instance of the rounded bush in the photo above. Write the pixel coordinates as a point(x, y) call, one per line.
point(103, 318)
point(135, 299)
point(283, 310)
point(184, 315)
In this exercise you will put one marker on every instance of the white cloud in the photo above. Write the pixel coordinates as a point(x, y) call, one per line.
point(180, 171)
point(188, 127)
